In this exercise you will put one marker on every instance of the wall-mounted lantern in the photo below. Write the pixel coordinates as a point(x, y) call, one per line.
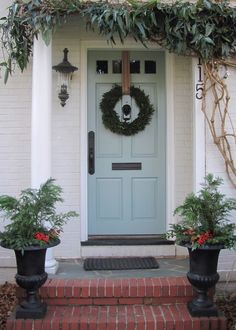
point(65, 70)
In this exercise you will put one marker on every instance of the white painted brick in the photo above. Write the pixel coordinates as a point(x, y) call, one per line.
point(215, 164)
point(65, 144)
point(183, 128)
point(3, 7)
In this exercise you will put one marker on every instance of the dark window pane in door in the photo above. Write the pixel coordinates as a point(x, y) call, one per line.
point(150, 66)
point(101, 67)
point(134, 66)
point(116, 66)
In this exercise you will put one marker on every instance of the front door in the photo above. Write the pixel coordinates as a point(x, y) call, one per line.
point(127, 201)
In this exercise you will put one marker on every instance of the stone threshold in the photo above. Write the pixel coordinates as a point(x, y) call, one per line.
point(126, 240)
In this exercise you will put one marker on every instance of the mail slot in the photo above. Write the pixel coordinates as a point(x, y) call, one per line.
point(126, 166)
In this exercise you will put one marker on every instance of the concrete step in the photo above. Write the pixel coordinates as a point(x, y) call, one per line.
point(135, 317)
point(157, 251)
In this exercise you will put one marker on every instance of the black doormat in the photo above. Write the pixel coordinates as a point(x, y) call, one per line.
point(120, 263)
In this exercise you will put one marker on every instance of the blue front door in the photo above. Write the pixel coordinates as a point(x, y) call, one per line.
point(127, 202)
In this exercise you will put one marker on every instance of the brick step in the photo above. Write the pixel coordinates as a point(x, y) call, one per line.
point(116, 292)
point(137, 317)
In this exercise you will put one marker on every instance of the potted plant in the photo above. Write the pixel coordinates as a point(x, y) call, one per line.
point(204, 229)
point(34, 225)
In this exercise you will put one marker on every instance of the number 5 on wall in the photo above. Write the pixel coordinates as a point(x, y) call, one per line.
point(199, 90)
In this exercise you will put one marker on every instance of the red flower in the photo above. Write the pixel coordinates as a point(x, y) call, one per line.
point(41, 237)
point(204, 237)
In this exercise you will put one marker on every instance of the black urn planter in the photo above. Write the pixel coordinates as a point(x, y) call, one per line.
point(31, 276)
point(203, 276)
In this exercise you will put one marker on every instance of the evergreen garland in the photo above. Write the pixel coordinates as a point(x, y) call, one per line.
point(111, 119)
point(204, 29)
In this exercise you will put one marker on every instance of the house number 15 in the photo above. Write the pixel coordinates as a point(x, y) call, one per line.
point(199, 84)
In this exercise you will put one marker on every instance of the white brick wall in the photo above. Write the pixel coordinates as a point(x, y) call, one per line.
point(3, 5)
point(66, 141)
point(15, 105)
point(215, 164)
point(183, 109)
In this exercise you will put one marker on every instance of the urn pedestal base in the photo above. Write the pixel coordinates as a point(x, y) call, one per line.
point(31, 307)
point(200, 311)
point(31, 313)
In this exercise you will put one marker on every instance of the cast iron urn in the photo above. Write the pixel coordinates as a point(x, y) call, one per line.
point(203, 276)
point(31, 276)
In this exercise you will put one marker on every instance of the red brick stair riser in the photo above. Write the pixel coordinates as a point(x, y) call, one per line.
point(165, 317)
point(145, 291)
point(117, 304)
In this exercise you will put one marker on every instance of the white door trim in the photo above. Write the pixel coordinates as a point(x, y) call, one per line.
point(199, 126)
point(170, 141)
point(85, 46)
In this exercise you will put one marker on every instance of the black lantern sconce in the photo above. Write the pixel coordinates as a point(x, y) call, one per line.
point(65, 70)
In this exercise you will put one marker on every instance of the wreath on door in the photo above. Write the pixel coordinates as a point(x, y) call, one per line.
point(111, 119)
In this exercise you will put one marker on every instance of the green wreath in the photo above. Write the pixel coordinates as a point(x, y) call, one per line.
point(111, 119)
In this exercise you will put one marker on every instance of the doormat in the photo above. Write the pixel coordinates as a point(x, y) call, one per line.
point(120, 263)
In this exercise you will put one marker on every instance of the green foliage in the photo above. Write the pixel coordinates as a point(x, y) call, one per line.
point(33, 212)
point(111, 119)
point(204, 217)
point(205, 28)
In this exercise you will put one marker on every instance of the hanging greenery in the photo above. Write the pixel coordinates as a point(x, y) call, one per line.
point(205, 28)
point(111, 119)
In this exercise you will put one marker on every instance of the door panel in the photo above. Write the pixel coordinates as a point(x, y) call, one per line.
point(144, 199)
point(108, 191)
point(130, 201)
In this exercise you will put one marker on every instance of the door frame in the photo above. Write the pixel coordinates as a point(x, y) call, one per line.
point(170, 159)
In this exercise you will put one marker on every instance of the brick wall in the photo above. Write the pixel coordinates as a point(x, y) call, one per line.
point(15, 109)
point(66, 140)
point(183, 109)
point(215, 164)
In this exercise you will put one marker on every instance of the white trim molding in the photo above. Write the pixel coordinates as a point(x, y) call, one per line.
point(170, 141)
point(199, 127)
point(41, 124)
point(41, 113)
point(131, 45)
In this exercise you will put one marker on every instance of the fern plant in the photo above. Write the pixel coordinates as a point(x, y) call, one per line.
point(34, 220)
point(205, 218)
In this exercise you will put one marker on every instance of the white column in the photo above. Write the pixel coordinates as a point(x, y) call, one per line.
point(199, 128)
point(170, 140)
point(41, 124)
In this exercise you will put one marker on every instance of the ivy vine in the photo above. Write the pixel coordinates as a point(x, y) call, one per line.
point(205, 28)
